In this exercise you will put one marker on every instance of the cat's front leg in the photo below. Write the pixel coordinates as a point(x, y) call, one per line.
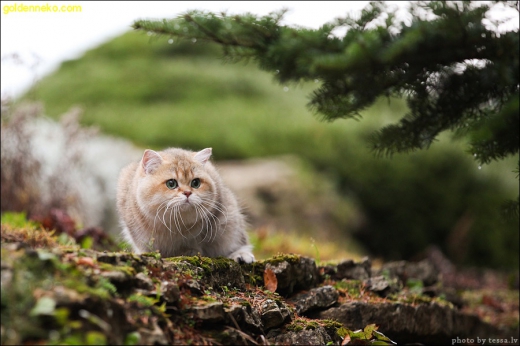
point(243, 255)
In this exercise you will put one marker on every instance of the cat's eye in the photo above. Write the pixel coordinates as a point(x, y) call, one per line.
point(195, 183)
point(171, 184)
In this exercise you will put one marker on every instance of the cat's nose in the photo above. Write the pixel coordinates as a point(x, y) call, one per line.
point(187, 193)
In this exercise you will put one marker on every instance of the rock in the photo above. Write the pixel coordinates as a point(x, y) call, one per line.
point(383, 285)
point(210, 313)
point(318, 336)
point(194, 286)
point(191, 305)
point(292, 272)
point(143, 281)
point(115, 276)
point(273, 313)
point(213, 272)
point(429, 324)
point(228, 273)
point(316, 298)
point(152, 337)
point(246, 318)
point(423, 270)
point(170, 292)
point(231, 336)
point(354, 270)
point(64, 296)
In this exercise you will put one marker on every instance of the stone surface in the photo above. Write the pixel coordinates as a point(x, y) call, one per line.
point(383, 285)
point(273, 313)
point(423, 270)
point(210, 313)
point(246, 318)
point(353, 270)
point(429, 324)
point(318, 336)
point(183, 300)
point(298, 273)
point(170, 292)
point(143, 281)
point(314, 299)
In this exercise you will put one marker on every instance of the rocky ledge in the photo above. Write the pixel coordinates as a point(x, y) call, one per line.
point(67, 295)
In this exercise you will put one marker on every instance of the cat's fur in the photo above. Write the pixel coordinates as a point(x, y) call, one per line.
point(185, 219)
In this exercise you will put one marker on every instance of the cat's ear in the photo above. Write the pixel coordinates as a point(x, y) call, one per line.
point(151, 161)
point(203, 156)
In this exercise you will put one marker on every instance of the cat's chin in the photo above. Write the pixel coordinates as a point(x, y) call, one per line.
point(185, 206)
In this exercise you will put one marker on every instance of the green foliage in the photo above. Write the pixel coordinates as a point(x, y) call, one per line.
point(368, 336)
point(143, 300)
point(44, 306)
point(456, 73)
point(18, 220)
point(132, 338)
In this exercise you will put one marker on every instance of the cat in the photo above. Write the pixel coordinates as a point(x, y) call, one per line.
point(174, 201)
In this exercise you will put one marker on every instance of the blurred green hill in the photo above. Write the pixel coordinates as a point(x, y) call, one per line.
point(160, 94)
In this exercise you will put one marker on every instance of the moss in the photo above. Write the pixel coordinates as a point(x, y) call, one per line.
point(127, 270)
point(17, 298)
point(141, 299)
point(30, 234)
point(155, 254)
point(209, 265)
point(301, 323)
point(253, 272)
point(245, 303)
point(333, 327)
point(290, 258)
point(353, 288)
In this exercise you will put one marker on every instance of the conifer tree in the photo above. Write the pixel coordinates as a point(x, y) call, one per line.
point(449, 62)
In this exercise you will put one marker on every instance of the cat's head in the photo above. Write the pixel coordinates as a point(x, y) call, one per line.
point(175, 178)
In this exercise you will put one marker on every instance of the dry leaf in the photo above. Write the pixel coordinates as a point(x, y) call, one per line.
point(346, 340)
point(87, 261)
point(270, 280)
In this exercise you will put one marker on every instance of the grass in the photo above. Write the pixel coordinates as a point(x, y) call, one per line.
point(268, 242)
point(168, 95)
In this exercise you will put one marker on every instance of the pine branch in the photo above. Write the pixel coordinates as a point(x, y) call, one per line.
point(455, 73)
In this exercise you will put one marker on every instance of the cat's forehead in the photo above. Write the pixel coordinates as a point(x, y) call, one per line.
point(181, 163)
point(182, 167)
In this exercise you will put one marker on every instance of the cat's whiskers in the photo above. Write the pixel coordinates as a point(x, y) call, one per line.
point(219, 207)
point(209, 214)
point(176, 220)
point(157, 213)
point(206, 224)
point(164, 214)
point(203, 223)
point(180, 206)
point(163, 206)
point(216, 205)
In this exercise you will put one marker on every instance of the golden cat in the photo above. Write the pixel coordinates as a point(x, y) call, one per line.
point(174, 201)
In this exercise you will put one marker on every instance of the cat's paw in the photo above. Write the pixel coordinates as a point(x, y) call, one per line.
point(243, 255)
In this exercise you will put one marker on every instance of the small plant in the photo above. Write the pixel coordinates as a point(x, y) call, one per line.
point(317, 257)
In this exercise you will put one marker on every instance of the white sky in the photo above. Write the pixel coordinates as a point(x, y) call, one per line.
point(42, 40)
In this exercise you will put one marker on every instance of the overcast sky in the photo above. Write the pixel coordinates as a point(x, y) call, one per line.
point(41, 41)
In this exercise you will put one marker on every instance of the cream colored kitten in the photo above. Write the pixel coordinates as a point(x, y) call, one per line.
point(174, 201)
